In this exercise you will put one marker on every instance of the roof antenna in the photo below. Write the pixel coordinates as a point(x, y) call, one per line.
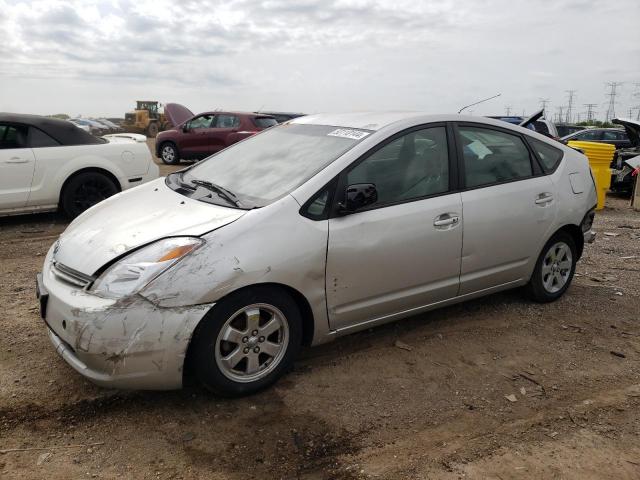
point(476, 103)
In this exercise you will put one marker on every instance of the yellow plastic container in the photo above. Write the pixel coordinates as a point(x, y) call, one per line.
point(600, 156)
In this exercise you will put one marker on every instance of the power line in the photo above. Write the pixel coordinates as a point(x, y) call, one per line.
point(611, 109)
point(569, 113)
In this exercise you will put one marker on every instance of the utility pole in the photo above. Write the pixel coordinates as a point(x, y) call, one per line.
point(508, 110)
point(611, 109)
point(570, 105)
point(590, 111)
point(543, 104)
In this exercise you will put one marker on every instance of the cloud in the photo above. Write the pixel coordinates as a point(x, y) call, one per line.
point(313, 55)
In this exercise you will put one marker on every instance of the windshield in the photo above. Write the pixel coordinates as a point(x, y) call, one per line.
point(267, 166)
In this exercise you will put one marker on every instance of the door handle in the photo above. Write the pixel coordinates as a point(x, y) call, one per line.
point(544, 198)
point(16, 160)
point(446, 219)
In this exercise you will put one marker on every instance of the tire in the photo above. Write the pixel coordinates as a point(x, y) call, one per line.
point(228, 347)
point(554, 269)
point(84, 191)
point(152, 130)
point(169, 153)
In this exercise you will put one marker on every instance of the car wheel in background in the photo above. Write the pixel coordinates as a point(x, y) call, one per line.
point(169, 154)
point(554, 269)
point(84, 191)
point(152, 130)
point(247, 341)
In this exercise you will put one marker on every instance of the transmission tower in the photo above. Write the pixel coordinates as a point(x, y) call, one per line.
point(569, 112)
point(590, 111)
point(560, 117)
point(543, 104)
point(611, 109)
point(508, 110)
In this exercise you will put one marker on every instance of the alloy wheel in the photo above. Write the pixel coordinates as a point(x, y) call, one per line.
point(252, 342)
point(556, 267)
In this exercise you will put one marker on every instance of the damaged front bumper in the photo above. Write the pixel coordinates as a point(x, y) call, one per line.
point(128, 343)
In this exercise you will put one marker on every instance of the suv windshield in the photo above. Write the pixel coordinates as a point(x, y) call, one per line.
point(267, 166)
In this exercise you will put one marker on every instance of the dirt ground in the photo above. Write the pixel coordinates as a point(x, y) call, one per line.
point(422, 398)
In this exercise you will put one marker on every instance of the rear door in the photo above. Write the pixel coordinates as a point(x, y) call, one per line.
point(225, 132)
point(17, 163)
point(508, 207)
point(402, 252)
point(195, 141)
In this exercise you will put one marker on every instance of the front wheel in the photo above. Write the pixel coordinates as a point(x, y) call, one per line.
point(169, 154)
point(247, 341)
point(554, 269)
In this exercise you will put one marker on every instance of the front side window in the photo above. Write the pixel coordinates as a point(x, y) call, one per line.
point(13, 136)
point(412, 166)
point(226, 121)
point(548, 155)
point(203, 121)
point(491, 156)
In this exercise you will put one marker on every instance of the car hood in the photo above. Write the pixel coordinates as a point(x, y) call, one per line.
point(177, 114)
point(632, 128)
point(134, 218)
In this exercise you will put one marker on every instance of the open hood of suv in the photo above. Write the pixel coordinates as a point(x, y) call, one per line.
point(632, 127)
point(177, 114)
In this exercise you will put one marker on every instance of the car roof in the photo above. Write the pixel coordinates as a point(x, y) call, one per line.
point(220, 112)
point(61, 130)
point(378, 120)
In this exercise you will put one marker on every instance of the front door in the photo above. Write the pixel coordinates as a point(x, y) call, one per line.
point(17, 164)
point(508, 205)
point(402, 252)
point(195, 141)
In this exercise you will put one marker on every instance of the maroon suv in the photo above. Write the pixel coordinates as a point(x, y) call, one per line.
point(198, 136)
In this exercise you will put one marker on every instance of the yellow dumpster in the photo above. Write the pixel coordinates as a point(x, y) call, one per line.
point(600, 156)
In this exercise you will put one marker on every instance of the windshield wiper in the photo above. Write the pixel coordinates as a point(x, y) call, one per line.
point(221, 191)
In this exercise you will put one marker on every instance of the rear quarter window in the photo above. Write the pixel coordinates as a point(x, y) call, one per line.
point(549, 156)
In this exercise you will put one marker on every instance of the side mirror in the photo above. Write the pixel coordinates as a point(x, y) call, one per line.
point(358, 196)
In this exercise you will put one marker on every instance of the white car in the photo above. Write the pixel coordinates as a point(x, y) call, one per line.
point(322, 226)
point(48, 164)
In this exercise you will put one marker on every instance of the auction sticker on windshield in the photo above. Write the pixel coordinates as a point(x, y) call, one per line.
point(348, 133)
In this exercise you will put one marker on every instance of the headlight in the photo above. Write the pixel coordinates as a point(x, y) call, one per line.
point(135, 271)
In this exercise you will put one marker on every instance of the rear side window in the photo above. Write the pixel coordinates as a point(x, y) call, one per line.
point(541, 127)
point(13, 136)
point(588, 135)
point(264, 122)
point(548, 155)
point(39, 139)
point(491, 157)
point(227, 121)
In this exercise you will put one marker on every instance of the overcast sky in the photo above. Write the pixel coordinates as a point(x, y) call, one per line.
point(98, 57)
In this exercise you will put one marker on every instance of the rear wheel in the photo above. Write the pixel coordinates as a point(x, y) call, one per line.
point(554, 269)
point(84, 191)
point(247, 341)
point(169, 154)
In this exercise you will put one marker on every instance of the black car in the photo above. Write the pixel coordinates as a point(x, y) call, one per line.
point(565, 129)
point(614, 136)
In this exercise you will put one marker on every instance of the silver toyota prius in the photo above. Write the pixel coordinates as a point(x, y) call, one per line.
point(319, 227)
